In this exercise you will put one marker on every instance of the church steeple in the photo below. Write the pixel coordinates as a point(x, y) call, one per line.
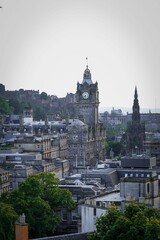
point(136, 108)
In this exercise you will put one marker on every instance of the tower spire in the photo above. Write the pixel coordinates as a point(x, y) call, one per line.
point(136, 108)
point(87, 74)
point(135, 93)
point(135, 129)
point(86, 62)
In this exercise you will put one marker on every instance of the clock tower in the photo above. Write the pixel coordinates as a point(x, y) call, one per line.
point(86, 135)
point(87, 99)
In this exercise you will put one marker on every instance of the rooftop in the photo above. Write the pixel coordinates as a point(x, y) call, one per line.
point(111, 197)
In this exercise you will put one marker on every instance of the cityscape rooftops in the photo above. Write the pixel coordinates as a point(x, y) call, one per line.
point(138, 161)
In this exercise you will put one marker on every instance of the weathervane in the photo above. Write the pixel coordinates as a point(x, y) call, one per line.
point(87, 62)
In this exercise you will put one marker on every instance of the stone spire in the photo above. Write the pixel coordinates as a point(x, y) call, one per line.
point(136, 108)
point(135, 129)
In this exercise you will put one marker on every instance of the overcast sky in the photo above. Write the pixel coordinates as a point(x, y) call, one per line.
point(44, 45)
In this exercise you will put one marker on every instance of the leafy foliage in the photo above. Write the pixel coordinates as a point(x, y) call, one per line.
point(39, 198)
point(7, 222)
point(136, 222)
point(113, 131)
point(18, 106)
point(117, 148)
point(39, 113)
point(4, 106)
point(44, 95)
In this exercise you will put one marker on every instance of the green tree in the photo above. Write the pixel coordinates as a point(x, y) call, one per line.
point(135, 222)
point(152, 230)
point(44, 96)
point(105, 222)
point(16, 105)
point(116, 148)
point(119, 229)
point(131, 210)
point(40, 199)
point(7, 222)
point(39, 113)
point(4, 106)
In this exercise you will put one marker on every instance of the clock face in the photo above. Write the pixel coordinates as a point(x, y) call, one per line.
point(75, 137)
point(85, 95)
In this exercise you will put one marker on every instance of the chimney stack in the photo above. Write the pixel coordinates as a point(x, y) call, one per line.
point(21, 228)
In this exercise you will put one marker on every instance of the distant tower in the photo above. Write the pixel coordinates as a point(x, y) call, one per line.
point(135, 129)
point(87, 99)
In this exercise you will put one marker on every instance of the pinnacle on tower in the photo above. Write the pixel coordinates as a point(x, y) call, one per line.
point(135, 93)
point(87, 75)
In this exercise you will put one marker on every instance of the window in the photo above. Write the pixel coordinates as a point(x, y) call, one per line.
point(64, 216)
point(74, 218)
point(94, 211)
point(148, 187)
point(74, 215)
point(97, 203)
point(139, 189)
point(75, 198)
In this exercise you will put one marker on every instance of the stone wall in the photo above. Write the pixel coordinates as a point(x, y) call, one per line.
point(74, 236)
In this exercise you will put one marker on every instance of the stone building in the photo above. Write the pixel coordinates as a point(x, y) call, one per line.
point(86, 135)
point(138, 178)
point(49, 146)
point(71, 218)
point(19, 174)
point(96, 206)
point(152, 146)
point(139, 181)
point(4, 181)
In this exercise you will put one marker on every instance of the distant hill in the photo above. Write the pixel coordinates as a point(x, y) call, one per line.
point(41, 103)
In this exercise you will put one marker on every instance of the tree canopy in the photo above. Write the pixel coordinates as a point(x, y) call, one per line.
point(40, 199)
point(44, 95)
point(136, 222)
point(4, 106)
point(7, 222)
